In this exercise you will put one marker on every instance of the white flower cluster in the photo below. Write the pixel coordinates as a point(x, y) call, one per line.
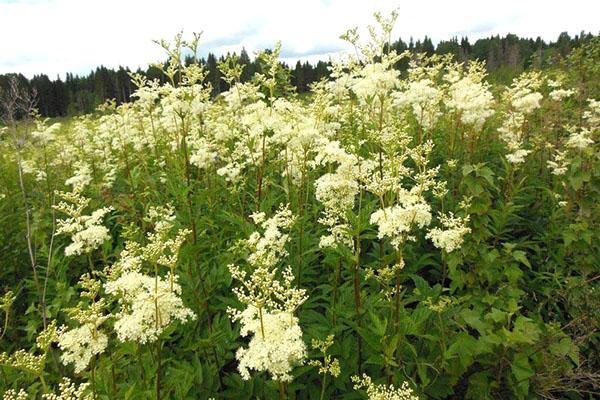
point(397, 221)
point(162, 248)
point(269, 247)
point(424, 98)
point(149, 305)
point(592, 115)
point(31, 167)
point(517, 156)
point(451, 237)
point(582, 138)
point(383, 392)
point(204, 155)
point(559, 163)
point(524, 99)
point(24, 361)
point(80, 344)
point(561, 94)
point(12, 394)
point(68, 390)
point(82, 177)
point(337, 192)
point(523, 95)
point(276, 345)
point(86, 232)
point(374, 80)
point(579, 139)
point(470, 96)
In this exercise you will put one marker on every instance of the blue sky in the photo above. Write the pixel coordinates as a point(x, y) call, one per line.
point(58, 36)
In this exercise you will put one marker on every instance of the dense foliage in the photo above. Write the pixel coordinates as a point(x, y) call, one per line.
point(433, 235)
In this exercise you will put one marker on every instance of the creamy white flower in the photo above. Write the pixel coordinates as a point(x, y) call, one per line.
point(68, 390)
point(12, 394)
point(268, 247)
point(86, 232)
point(580, 139)
point(527, 103)
point(148, 305)
point(86, 240)
point(451, 237)
point(523, 95)
point(518, 156)
point(397, 221)
point(204, 154)
point(559, 164)
point(472, 99)
point(374, 79)
point(79, 345)
point(383, 392)
point(82, 177)
point(275, 347)
point(424, 98)
point(560, 94)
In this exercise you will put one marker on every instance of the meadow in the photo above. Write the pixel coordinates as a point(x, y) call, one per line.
point(428, 235)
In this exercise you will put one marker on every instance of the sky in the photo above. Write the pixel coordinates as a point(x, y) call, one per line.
point(58, 36)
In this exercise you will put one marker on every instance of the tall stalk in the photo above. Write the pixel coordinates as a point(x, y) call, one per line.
point(282, 395)
point(28, 222)
point(357, 295)
point(156, 324)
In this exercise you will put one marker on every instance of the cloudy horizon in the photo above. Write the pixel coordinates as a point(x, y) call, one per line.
point(54, 37)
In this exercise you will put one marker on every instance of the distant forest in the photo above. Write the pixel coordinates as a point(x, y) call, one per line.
point(504, 56)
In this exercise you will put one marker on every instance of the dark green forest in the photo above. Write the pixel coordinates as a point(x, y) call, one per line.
point(505, 57)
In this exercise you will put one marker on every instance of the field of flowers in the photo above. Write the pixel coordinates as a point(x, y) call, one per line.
point(427, 235)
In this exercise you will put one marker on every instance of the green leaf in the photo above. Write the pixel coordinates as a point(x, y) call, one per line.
point(496, 315)
point(521, 257)
point(473, 319)
point(522, 371)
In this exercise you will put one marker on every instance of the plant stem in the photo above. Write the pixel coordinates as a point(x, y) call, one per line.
point(262, 326)
point(158, 369)
point(94, 377)
point(357, 299)
point(157, 325)
point(112, 374)
point(338, 275)
point(323, 385)
point(282, 395)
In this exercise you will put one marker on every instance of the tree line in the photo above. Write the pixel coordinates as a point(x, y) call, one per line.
point(504, 56)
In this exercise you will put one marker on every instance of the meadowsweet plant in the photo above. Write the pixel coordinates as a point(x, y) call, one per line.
point(86, 231)
point(276, 345)
point(33, 362)
point(329, 365)
point(82, 344)
point(6, 302)
point(431, 220)
point(523, 99)
point(452, 235)
point(149, 303)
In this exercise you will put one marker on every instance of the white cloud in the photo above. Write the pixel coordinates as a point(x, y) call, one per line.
point(57, 36)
